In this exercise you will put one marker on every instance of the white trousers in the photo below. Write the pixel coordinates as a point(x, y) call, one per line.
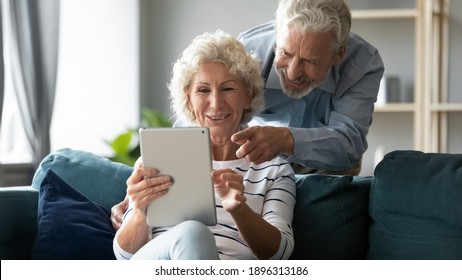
point(188, 240)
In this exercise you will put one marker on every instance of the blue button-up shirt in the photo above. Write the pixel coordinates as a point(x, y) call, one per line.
point(331, 123)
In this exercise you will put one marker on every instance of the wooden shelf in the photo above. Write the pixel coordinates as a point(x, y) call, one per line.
point(385, 14)
point(430, 118)
point(446, 107)
point(411, 107)
point(395, 107)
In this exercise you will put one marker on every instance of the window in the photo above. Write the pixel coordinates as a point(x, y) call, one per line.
point(97, 91)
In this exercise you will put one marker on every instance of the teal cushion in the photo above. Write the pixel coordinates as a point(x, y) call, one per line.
point(70, 226)
point(331, 217)
point(96, 177)
point(416, 207)
point(18, 217)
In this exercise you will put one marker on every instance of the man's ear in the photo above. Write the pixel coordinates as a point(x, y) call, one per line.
point(340, 54)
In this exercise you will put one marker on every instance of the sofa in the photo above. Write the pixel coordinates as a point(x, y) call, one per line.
point(409, 209)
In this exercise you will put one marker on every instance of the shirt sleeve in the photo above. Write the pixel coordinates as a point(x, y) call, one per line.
point(120, 253)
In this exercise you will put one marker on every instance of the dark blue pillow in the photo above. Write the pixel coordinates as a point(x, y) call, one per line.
point(70, 226)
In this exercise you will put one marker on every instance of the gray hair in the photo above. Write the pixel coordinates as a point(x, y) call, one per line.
point(317, 16)
point(215, 47)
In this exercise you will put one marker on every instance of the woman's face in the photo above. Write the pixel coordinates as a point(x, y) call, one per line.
point(217, 99)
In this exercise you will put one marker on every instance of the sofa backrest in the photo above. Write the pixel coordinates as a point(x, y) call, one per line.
point(331, 218)
point(416, 206)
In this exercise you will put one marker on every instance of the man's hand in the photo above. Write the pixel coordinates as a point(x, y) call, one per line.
point(263, 143)
point(117, 212)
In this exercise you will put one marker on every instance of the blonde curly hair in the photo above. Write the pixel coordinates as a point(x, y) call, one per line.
point(215, 47)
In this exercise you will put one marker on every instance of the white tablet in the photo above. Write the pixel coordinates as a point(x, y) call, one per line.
point(185, 155)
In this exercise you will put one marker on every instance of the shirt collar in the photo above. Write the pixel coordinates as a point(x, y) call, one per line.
point(328, 85)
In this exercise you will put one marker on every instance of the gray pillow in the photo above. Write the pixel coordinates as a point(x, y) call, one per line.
point(96, 177)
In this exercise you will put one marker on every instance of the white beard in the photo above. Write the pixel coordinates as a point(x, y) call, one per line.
point(292, 92)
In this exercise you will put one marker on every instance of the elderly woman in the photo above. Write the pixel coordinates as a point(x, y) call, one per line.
point(216, 83)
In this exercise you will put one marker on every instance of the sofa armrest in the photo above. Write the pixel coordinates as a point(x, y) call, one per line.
point(18, 215)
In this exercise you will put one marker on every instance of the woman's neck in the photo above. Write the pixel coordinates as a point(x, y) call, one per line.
point(224, 150)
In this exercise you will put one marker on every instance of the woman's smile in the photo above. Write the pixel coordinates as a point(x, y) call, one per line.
point(218, 117)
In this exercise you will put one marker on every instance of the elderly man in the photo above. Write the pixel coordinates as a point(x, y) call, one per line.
point(321, 85)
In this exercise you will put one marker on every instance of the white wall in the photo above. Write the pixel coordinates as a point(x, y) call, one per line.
point(107, 60)
point(169, 26)
point(98, 78)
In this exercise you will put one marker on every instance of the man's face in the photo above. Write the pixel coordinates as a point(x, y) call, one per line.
point(303, 60)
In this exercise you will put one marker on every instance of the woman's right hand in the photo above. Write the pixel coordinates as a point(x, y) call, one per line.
point(146, 185)
point(143, 186)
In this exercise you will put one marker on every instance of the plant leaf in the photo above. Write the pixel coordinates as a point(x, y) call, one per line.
point(154, 119)
point(121, 144)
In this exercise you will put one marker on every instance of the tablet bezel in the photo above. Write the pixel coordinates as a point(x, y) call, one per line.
point(185, 155)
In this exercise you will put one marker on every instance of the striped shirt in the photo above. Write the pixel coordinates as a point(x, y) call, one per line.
point(270, 192)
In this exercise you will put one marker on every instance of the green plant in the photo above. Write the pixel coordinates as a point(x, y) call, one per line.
point(126, 147)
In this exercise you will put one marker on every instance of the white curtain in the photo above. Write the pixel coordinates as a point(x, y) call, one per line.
point(2, 68)
point(34, 56)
